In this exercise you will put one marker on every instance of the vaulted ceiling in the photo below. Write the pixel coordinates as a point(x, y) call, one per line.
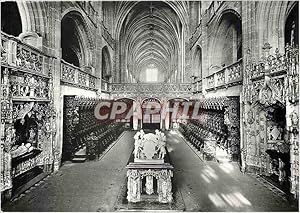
point(151, 36)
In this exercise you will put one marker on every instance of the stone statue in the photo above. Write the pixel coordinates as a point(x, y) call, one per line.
point(149, 146)
point(162, 151)
point(161, 145)
point(138, 145)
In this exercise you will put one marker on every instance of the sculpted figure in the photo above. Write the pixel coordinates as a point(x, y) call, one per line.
point(138, 138)
point(161, 144)
point(162, 150)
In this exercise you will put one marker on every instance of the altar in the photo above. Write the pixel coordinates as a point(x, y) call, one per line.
point(149, 177)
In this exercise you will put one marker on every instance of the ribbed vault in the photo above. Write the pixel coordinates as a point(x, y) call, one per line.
point(150, 36)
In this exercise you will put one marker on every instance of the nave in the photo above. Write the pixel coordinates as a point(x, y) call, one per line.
point(75, 74)
point(204, 185)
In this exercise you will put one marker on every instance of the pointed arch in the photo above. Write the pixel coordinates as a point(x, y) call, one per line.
point(197, 62)
point(11, 22)
point(77, 40)
point(226, 47)
point(271, 18)
point(150, 34)
point(291, 28)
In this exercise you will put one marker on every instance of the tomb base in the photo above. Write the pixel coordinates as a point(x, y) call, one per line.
point(140, 181)
point(149, 202)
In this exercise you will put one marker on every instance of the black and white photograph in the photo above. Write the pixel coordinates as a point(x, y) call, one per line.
point(149, 106)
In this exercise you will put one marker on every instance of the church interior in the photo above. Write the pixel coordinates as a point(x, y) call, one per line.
point(65, 65)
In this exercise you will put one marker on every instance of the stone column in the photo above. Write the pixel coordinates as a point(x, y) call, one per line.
point(232, 121)
point(135, 117)
point(133, 186)
point(7, 134)
point(55, 44)
point(292, 118)
point(164, 186)
point(167, 116)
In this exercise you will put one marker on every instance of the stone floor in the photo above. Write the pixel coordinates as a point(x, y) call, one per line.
point(212, 186)
point(89, 186)
point(205, 186)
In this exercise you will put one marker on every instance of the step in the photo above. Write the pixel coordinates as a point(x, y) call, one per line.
point(223, 159)
point(79, 159)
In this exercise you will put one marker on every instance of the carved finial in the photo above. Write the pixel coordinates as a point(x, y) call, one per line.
point(266, 46)
point(266, 49)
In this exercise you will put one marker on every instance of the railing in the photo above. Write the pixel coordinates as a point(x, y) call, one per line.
point(197, 86)
point(227, 76)
point(71, 74)
point(275, 64)
point(284, 67)
point(28, 86)
point(16, 53)
point(151, 89)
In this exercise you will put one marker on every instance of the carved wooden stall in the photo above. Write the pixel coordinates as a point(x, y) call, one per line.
point(270, 116)
point(82, 128)
point(27, 115)
point(217, 127)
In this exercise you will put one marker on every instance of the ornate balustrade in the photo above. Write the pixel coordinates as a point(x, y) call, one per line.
point(151, 89)
point(219, 78)
point(25, 58)
point(281, 69)
point(73, 75)
point(273, 65)
point(227, 76)
point(29, 87)
point(197, 86)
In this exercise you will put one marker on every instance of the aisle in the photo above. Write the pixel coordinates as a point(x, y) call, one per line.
point(90, 186)
point(210, 186)
point(94, 185)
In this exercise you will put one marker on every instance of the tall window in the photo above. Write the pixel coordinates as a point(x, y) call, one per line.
point(292, 27)
point(151, 74)
point(69, 41)
point(10, 18)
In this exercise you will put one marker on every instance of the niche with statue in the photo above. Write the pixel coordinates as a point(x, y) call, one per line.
point(25, 131)
point(277, 144)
